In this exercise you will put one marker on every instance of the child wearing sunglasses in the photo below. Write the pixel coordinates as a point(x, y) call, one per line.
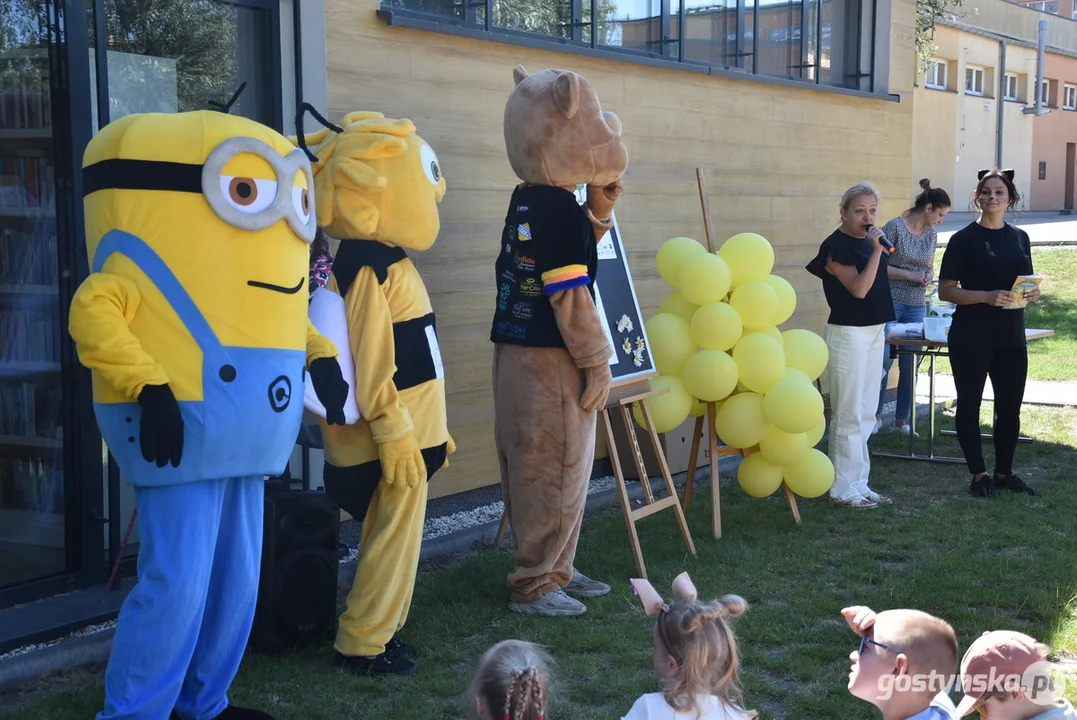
point(1005, 676)
point(905, 663)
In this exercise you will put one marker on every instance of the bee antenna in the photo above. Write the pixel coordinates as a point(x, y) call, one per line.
point(226, 108)
point(304, 108)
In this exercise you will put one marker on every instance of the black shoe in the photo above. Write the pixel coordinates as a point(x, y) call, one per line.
point(237, 713)
point(983, 487)
point(398, 649)
point(384, 664)
point(1014, 484)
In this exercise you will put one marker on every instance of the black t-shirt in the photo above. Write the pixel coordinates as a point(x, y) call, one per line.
point(982, 259)
point(548, 245)
point(875, 308)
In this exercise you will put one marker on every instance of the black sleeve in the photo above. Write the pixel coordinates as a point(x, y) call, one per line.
point(567, 245)
point(817, 265)
point(954, 259)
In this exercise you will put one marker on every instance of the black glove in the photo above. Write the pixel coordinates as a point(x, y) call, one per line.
point(161, 434)
point(330, 387)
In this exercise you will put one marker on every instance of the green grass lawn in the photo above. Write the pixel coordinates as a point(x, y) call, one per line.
point(1053, 358)
point(1009, 562)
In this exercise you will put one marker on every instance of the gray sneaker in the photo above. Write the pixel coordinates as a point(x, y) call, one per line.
point(552, 603)
point(582, 586)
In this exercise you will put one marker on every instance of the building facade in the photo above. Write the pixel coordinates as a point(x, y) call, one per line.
point(785, 104)
point(975, 105)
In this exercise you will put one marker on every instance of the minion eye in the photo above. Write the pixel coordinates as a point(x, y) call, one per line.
point(430, 164)
point(301, 201)
point(248, 195)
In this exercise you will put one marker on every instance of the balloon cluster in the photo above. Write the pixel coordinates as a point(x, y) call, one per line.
point(715, 339)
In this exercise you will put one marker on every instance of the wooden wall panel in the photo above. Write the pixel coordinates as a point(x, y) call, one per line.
point(777, 160)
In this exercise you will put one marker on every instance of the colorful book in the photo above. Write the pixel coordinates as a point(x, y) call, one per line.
point(1023, 285)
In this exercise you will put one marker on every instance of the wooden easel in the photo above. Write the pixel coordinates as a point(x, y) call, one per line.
point(713, 450)
point(624, 397)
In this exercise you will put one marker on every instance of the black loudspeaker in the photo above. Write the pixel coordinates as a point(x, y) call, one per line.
point(297, 592)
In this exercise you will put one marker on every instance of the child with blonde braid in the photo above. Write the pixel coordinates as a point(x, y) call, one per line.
point(512, 682)
point(695, 656)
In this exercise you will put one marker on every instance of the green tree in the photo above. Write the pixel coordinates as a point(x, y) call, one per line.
point(927, 12)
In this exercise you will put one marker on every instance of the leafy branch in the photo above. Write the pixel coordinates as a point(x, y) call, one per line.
point(927, 12)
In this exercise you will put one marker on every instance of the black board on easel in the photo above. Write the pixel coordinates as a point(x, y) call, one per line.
point(615, 296)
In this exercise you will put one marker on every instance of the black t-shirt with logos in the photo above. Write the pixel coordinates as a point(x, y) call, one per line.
point(983, 259)
point(547, 245)
point(875, 308)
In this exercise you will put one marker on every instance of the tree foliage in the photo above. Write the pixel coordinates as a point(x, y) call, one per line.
point(927, 12)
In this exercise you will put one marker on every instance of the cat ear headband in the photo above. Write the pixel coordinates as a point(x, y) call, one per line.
point(1008, 174)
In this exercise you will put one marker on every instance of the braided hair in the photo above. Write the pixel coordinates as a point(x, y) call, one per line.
point(513, 678)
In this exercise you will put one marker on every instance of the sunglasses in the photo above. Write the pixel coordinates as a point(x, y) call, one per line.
point(865, 641)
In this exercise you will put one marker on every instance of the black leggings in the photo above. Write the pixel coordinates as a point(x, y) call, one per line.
point(1007, 367)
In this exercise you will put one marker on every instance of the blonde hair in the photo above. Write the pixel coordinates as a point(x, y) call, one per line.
point(698, 636)
point(513, 679)
point(861, 188)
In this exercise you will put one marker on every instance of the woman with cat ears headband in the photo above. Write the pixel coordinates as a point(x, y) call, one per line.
point(695, 656)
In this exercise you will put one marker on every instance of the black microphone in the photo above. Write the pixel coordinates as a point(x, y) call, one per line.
point(884, 241)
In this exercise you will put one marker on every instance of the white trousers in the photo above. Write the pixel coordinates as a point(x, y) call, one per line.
point(854, 370)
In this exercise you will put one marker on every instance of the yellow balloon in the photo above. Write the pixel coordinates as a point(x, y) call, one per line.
point(710, 375)
point(749, 256)
point(806, 351)
point(699, 408)
point(755, 302)
point(671, 343)
point(758, 477)
point(782, 448)
point(787, 298)
point(672, 253)
point(741, 422)
point(675, 304)
point(816, 433)
point(716, 326)
point(769, 330)
point(795, 374)
point(793, 406)
point(760, 362)
point(812, 476)
point(668, 410)
point(703, 279)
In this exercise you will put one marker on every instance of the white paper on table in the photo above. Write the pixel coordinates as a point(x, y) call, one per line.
point(606, 326)
point(328, 314)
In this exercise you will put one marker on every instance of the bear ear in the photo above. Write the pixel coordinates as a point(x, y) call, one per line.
point(519, 74)
point(566, 93)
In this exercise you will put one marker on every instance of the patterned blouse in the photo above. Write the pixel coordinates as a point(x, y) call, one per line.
point(911, 252)
point(320, 267)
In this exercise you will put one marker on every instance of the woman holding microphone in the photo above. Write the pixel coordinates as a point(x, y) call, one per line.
point(852, 263)
point(987, 338)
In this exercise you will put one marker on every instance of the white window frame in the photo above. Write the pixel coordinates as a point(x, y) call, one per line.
point(1044, 97)
point(931, 75)
point(1069, 95)
point(1006, 94)
point(971, 73)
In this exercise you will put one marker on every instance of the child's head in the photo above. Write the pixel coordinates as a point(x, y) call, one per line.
point(512, 682)
point(1005, 676)
point(906, 656)
point(695, 651)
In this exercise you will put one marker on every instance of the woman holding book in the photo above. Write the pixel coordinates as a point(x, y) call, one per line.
point(911, 268)
point(980, 267)
point(852, 265)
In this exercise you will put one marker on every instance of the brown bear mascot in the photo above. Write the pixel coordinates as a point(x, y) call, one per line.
point(551, 353)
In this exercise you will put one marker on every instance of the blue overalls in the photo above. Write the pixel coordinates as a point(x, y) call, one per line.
point(183, 628)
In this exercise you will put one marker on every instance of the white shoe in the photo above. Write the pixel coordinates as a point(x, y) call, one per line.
point(550, 604)
point(582, 586)
point(875, 430)
point(905, 430)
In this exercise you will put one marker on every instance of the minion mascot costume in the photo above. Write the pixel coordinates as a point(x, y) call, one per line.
point(378, 185)
point(551, 355)
point(194, 323)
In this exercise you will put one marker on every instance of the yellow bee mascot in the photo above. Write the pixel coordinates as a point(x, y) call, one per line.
point(378, 185)
point(551, 353)
point(194, 324)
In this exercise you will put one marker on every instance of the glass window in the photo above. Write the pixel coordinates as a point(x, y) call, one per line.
point(32, 532)
point(193, 52)
point(828, 42)
point(935, 77)
point(1070, 98)
point(974, 81)
point(1010, 92)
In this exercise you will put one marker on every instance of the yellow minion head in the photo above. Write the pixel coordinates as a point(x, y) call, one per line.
point(224, 201)
point(377, 180)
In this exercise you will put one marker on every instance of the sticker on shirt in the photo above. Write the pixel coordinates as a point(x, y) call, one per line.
point(509, 276)
point(523, 232)
point(435, 352)
point(509, 330)
point(521, 310)
point(530, 287)
point(526, 263)
point(606, 249)
point(503, 296)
